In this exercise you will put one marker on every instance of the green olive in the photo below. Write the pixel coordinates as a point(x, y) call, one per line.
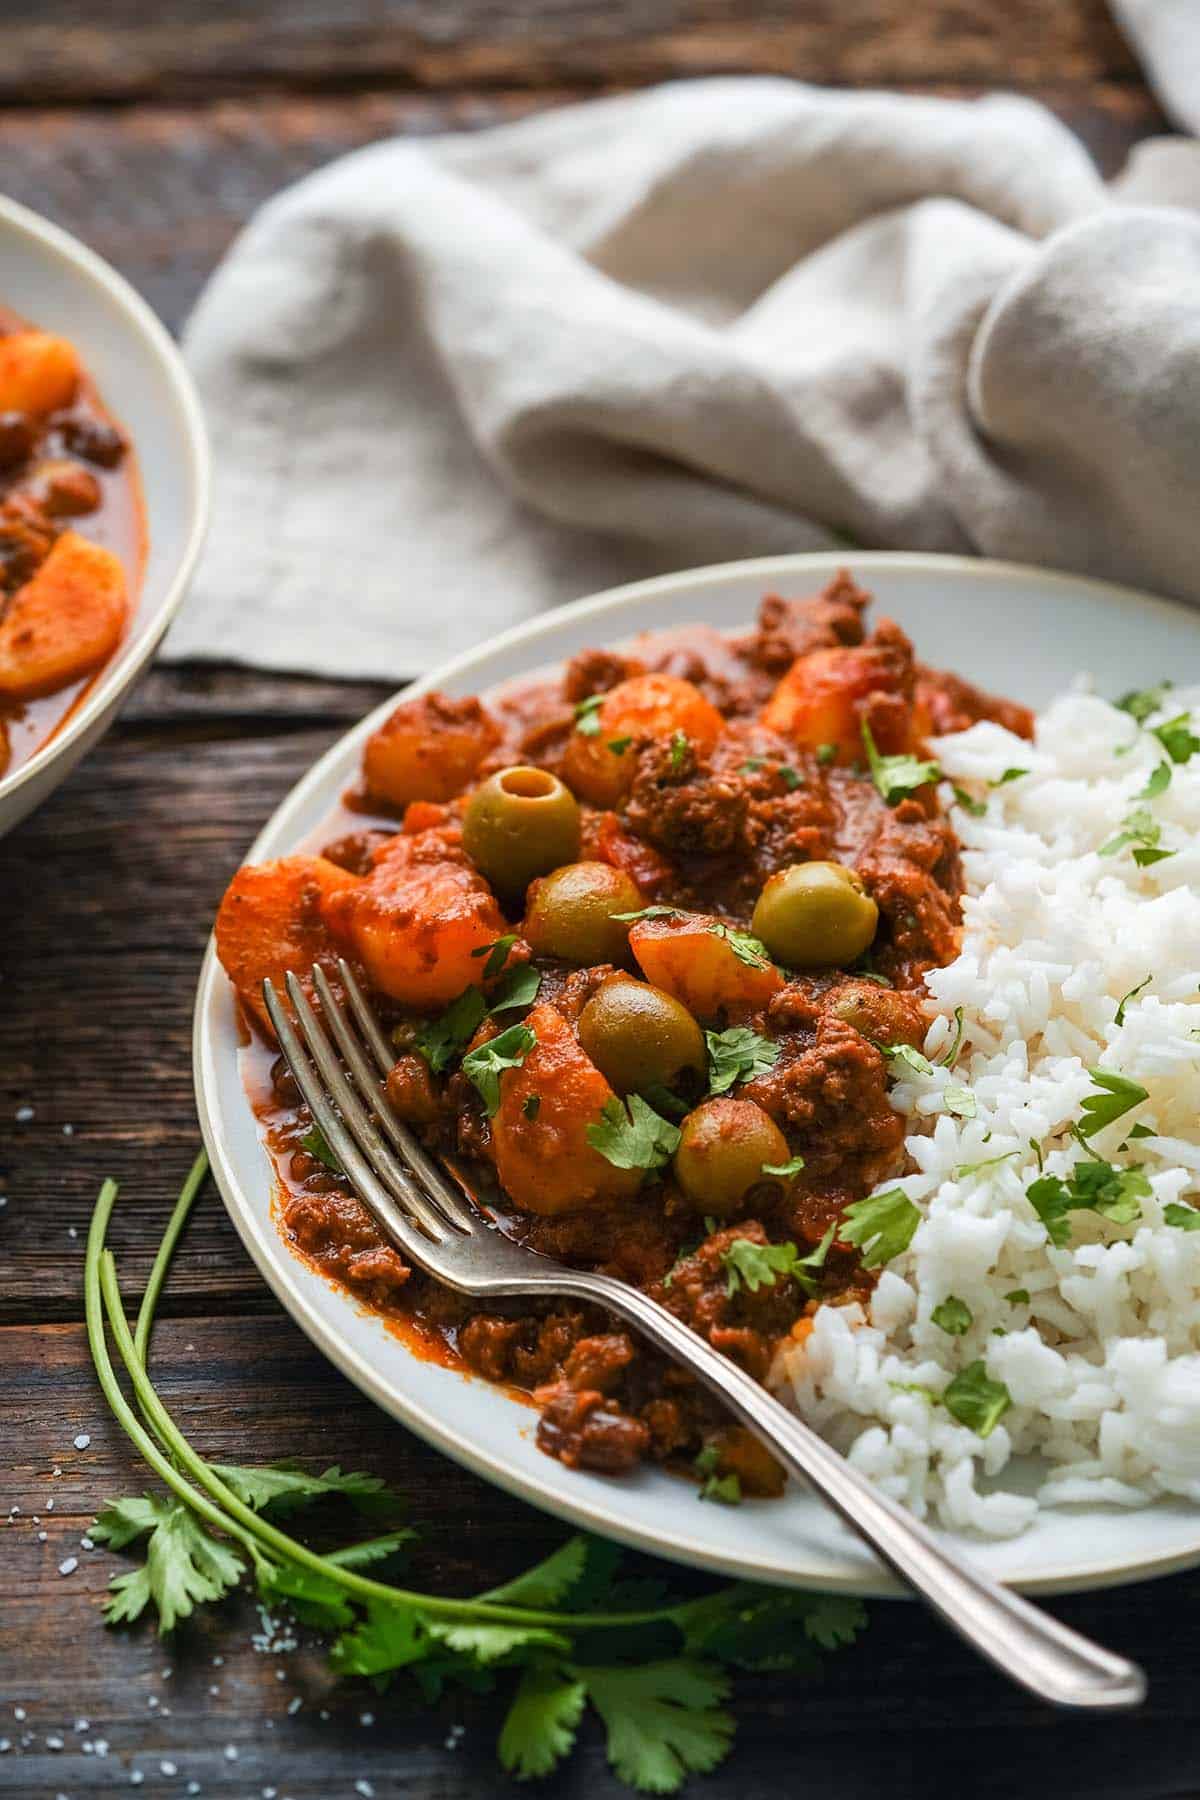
point(722, 1148)
point(519, 823)
point(572, 914)
point(638, 1037)
point(815, 915)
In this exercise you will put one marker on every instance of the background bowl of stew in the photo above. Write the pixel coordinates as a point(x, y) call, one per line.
point(58, 285)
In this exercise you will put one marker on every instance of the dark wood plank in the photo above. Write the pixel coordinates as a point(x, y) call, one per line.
point(161, 191)
point(188, 48)
point(905, 1713)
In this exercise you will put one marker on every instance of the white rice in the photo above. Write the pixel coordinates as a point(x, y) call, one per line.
point(1103, 1363)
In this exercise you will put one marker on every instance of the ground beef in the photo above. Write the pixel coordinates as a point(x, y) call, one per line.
point(595, 672)
point(791, 628)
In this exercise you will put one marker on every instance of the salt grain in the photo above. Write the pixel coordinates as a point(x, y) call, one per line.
point(365, 1789)
point(83, 1440)
point(168, 1768)
point(366, 1718)
point(54, 1743)
point(19, 1713)
point(230, 1753)
point(69, 1565)
point(136, 1778)
point(49, 1506)
point(24, 1114)
point(294, 1704)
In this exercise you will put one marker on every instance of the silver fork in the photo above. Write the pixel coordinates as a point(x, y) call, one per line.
point(433, 1220)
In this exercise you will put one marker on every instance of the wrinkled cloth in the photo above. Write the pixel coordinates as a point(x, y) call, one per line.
point(1166, 36)
point(452, 383)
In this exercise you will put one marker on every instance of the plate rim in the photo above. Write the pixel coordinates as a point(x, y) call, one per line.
point(277, 1270)
point(114, 681)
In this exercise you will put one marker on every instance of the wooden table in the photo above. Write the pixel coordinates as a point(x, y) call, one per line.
point(154, 136)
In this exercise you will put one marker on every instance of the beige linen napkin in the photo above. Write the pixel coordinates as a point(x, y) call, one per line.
point(453, 383)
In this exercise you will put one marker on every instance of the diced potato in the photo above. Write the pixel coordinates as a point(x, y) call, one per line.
point(825, 696)
point(429, 749)
point(65, 621)
point(271, 921)
point(414, 923)
point(545, 1163)
point(690, 956)
point(645, 706)
point(39, 373)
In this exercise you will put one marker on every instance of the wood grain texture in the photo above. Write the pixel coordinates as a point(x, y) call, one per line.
point(905, 1713)
point(128, 51)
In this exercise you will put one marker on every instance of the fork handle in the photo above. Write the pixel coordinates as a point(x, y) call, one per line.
point(1032, 1648)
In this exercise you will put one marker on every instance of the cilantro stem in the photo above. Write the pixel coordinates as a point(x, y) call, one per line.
point(211, 1499)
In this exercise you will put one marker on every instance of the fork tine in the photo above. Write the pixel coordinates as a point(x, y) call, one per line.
point(372, 1191)
point(375, 1096)
point(386, 1170)
point(410, 1146)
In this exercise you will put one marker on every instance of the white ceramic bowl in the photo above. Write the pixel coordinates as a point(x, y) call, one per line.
point(54, 282)
point(1019, 631)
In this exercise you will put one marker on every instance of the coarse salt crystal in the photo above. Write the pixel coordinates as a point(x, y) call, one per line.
point(24, 1114)
point(83, 1440)
point(68, 1565)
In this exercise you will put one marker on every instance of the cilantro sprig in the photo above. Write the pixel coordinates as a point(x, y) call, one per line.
point(752, 1265)
point(1141, 833)
point(895, 776)
point(560, 1634)
point(445, 1037)
point(1117, 1096)
point(881, 1226)
point(975, 1400)
point(631, 1135)
point(737, 1054)
point(483, 1067)
point(1092, 1186)
point(748, 949)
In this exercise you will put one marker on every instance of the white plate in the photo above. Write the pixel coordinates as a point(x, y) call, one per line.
point(54, 282)
point(1019, 631)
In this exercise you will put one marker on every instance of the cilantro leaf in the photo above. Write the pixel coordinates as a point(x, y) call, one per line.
point(752, 765)
point(316, 1143)
point(1184, 1218)
point(496, 953)
point(895, 776)
point(440, 1041)
point(826, 753)
point(631, 1135)
point(909, 1056)
point(679, 751)
point(485, 1642)
point(790, 777)
point(881, 1226)
point(738, 1054)
point(664, 1720)
point(1018, 1297)
point(282, 1488)
point(1139, 703)
point(976, 808)
point(483, 1067)
point(1141, 830)
point(989, 1162)
point(540, 1727)
point(650, 912)
point(1008, 775)
point(725, 1489)
point(952, 1315)
point(1119, 1015)
point(792, 1166)
point(975, 1400)
point(756, 1265)
point(1093, 1186)
point(531, 1106)
point(391, 1636)
point(960, 1101)
point(518, 988)
point(186, 1563)
point(549, 1581)
point(1158, 782)
point(315, 1599)
point(749, 950)
point(619, 745)
point(1051, 1201)
point(587, 722)
point(1177, 739)
point(1117, 1097)
point(949, 1057)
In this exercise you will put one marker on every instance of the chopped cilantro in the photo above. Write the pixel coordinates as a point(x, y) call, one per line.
point(1139, 703)
point(1143, 832)
point(1018, 1297)
point(790, 778)
point(1184, 1218)
point(483, 1067)
point(664, 1101)
point(738, 1054)
point(620, 745)
point(826, 753)
point(1177, 739)
point(650, 912)
point(976, 808)
point(531, 1106)
point(1119, 1015)
point(726, 1489)
point(953, 1316)
point(881, 1226)
point(948, 1060)
point(960, 1101)
point(518, 988)
point(440, 1041)
point(989, 1162)
point(1118, 1095)
point(749, 950)
point(631, 1135)
point(679, 751)
point(587, 721)
point(976, 1400)
point(792, 1166)
point(496, 953)
point(316, 1143)
point(1093, 1186)
point(1158, 783)
point(752, 765)
point(909, 1056)
point(1008, 775)
point(895, 776)
point(757, 1265)
point(1141, 1131)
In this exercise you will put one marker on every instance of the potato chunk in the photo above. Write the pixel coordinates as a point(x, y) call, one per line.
point(39, 373)
point(825, 696)
point(545, 1163)
point(693, 958)
point(271, 921)
point(429, 749)
point(414, 922)
point(645, 706)
point(66, 620)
